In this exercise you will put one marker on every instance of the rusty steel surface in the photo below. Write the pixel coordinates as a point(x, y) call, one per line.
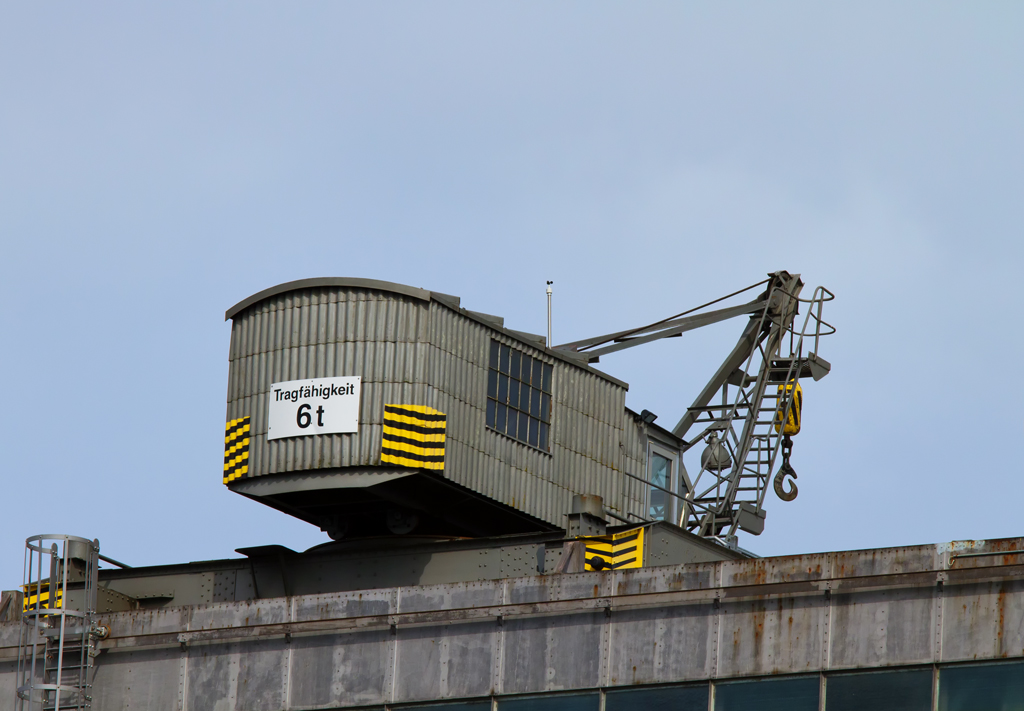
point(885, 608)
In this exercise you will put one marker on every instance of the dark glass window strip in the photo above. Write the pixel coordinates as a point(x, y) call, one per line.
point(998, 686)
point(880, 691)
point(519, 395)
point(786, 694)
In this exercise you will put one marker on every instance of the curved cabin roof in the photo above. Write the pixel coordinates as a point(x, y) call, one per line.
point(344, 283)
point(453, 302)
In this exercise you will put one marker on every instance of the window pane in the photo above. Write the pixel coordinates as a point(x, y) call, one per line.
point(464, 706)
point(558, 702)
point(656, 508)
point(660, 475)
point(503, 364)
point(768, 695)
point(999, 687)
point(880, 691)
point(516, 404)
point(661, 470)
point(671, 698)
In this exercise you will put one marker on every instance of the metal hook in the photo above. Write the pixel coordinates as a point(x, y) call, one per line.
point(784, 471)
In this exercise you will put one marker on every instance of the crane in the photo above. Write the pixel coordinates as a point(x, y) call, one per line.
point(751, 407)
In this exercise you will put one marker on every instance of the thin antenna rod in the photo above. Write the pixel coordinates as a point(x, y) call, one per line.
point(549, 313)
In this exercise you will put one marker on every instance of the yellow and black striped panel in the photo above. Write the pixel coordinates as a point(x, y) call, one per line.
point(413, 437)
point(37, 596)
point(236, 449)
point(619, 550)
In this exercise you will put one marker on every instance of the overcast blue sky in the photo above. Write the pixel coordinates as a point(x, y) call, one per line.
point(160, 163)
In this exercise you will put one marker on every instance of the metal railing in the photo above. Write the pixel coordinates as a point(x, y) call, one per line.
point(57, 635)
point(711, 506)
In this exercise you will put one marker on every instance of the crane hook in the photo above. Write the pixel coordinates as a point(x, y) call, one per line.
point(784, 471)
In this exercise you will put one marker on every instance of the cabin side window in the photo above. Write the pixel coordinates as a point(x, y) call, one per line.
point(519, 395)
point(662, 474)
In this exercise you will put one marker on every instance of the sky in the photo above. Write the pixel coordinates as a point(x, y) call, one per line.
point(161, 162)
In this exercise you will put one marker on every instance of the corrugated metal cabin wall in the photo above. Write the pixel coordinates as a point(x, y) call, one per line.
point(634, 456)
point(585, 435)
point(588, 405)
point(327, 332)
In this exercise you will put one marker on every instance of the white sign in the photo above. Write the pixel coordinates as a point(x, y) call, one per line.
point(313, 407)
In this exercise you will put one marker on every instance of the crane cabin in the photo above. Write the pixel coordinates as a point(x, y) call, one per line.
point(370, 408)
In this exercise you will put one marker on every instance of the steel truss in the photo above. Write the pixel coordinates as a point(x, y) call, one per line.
point(753, 391)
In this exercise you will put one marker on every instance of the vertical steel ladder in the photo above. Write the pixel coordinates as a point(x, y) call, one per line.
point(58, 639)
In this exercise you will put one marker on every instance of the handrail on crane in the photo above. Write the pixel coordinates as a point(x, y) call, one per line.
point(755, 361)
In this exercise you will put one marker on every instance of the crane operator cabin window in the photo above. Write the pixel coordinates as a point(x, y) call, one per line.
point(661, 475)
point(519, 395)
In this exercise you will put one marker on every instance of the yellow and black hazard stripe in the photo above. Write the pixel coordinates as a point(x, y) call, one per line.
point(413, 437)
point(236, 449)
point(619, 550)
point(37, 596)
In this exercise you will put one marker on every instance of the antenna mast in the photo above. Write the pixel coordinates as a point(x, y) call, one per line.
point(549, 313)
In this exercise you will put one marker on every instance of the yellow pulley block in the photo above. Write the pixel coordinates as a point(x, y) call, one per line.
point(792, 426)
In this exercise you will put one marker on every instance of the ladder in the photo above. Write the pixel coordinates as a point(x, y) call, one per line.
point(729, 489)
point(58, 637)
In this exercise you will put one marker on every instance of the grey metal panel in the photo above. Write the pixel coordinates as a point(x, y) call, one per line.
point(346, 670)
point(907, 559)
point(237, 675)
point(551, 654)
point(188, 588)
point(660, 645)
point(672, 547)
point(883, 628)
point(761, 571)
point(145, 679)
point(631, 496)
point(440, 662)
point(985, 620)
point(266, 611)
point(320, 480)
point(8, 680)
point(771, 636)
point(337, 605)
point(262, 676)
point(10, 632)
point(664, 579)
point(333, 282)
point(142, 622)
